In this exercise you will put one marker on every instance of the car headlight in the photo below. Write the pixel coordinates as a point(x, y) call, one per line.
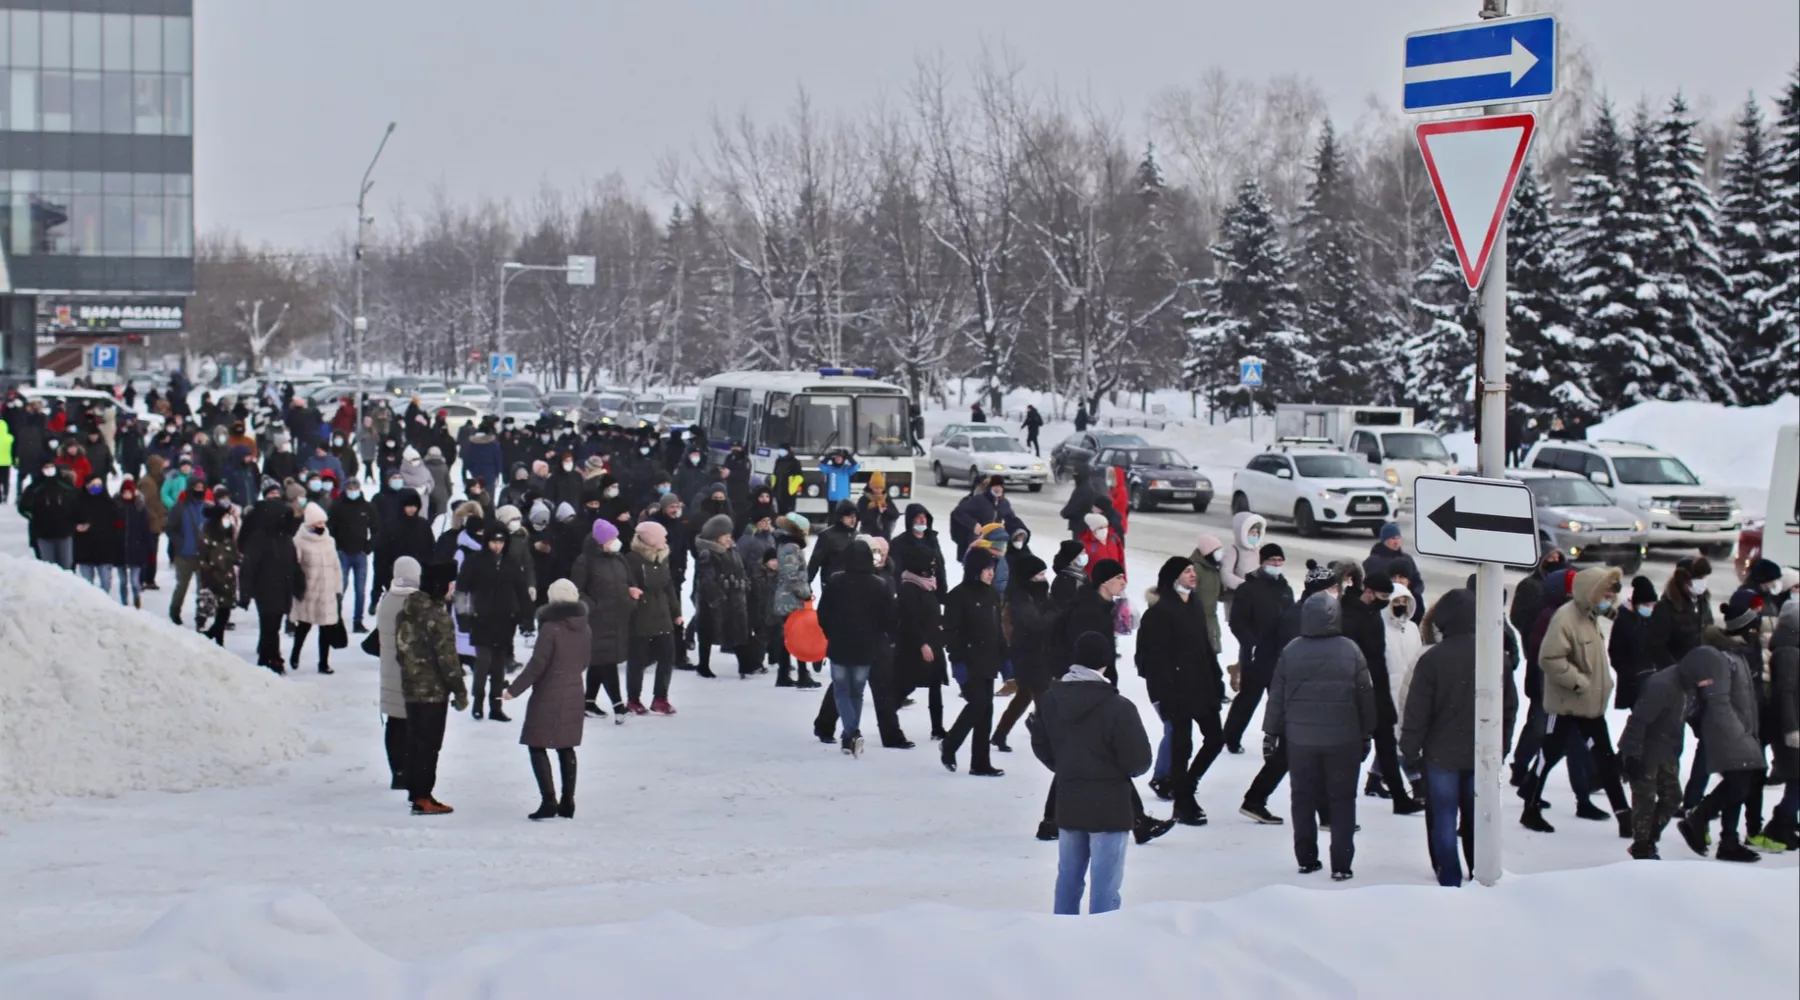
point(1637, 526)
point(1575, 526)
point(1159, 484)
point(1037, 468)
point(1324, 494)
point(1205, 484)
point(1391, 476)
point(1644, 503)
point(813, 490)
point(996, 467)
point(1737, 513)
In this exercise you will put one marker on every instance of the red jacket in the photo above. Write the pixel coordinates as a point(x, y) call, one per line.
point(80, 464)
point(1112, 548)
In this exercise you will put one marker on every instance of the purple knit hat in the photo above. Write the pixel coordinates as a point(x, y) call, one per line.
point(605, 531)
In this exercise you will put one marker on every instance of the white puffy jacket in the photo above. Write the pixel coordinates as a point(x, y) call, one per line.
point(1403, 646)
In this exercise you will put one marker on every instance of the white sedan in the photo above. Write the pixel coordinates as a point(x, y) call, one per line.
point(974, 456)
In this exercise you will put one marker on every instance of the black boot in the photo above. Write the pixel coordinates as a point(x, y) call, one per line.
point(566, 807)
point(540, 767)
point(495, 713)
point(1375, 788)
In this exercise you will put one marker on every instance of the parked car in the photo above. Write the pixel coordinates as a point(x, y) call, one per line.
point(1681, 512)
point(1156, 476)
point(971, 457)
point(1574, 516)
point(1084, 446)
point(1314, 488)
point(77, 401)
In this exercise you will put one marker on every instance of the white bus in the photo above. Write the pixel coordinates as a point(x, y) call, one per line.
point(811, 413)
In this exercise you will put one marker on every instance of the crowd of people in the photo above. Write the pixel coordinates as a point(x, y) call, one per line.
point(455, 543)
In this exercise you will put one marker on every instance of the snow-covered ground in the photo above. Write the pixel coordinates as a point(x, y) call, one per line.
point(727, 847)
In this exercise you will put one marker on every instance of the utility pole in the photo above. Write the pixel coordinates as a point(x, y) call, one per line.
point(1490, 579)
point(579, 270)
point(359, 324)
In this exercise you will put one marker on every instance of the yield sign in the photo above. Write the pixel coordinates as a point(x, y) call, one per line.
point(1474, 163)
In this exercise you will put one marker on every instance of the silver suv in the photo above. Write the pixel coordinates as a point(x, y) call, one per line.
point(1679, 511)
point(1574, 516)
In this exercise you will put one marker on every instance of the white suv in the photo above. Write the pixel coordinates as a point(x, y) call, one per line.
point(1315, 488)
point(1680, 511)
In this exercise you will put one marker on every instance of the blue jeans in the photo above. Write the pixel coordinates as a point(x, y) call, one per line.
point(1077, 851)
point(1450, 793)
point(358, 563)
point(60, 551)
point(1161, 770)
point(99, 576)
point(847, 683)
point(131, 584)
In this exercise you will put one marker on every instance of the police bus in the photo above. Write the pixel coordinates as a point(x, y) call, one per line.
point(810, 413)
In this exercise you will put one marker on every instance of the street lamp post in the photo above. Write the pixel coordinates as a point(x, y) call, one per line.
point(359, 324)
point(580, 271)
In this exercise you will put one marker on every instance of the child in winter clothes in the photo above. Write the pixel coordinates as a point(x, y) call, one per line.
point(1240, 559)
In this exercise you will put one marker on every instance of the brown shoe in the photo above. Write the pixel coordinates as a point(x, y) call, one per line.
point(430, 807)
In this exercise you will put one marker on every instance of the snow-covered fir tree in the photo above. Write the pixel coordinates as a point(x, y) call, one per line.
point(1339, 318)
point(1439, 375)
point(1744, 199)
point(1551, 374)
point(1776, 367)
point(1605, 237)
point(1250, 308)
point(1682, 258)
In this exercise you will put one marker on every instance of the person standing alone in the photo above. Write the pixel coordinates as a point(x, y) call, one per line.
point(1091, 737)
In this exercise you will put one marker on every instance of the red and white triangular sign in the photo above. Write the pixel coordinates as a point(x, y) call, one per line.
point(1474, 163)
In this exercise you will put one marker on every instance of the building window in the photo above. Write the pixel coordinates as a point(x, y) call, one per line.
point(58, 101)
point(115, 103)
point(85, 101)
point(90, 214)
point(56, 31)
point(24, 39)
point(132, 73)
point(86, 29)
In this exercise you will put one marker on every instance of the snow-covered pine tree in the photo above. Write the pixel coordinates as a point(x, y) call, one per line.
point(1627, 362)
point(1683, 258)
point(1440, 357)
point(1250, 307)
point(1551, 374)
point(1744, 200)
point(1339, 316)
point(1777, 365)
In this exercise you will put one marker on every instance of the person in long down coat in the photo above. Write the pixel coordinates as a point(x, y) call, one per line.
point(407, 571)
point(603, 577)
point(655, 620)
point(919, 660)
point(318, 604)
point(554, 717)
point(974, 639)
point(498, 595)
point(270, 575)
point(722, 589)
point(1030, 617)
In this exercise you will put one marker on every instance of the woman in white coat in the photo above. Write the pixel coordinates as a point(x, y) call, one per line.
point(1240, 559)
point(317, 554)
point(393, 692)
point(1403, 645)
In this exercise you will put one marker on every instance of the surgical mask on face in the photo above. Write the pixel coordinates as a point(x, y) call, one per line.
point(918, 529)
point(314, 485)
point(1255, 541)
point(353, 494)
point(1100, 534)
point(96, 488)
point(612, 545)
point(781, 453)
point(1603, 606)
point(693, 459)
point(1272, 570)
point(568, 466)
point(643, 451)
point(1183, 590)
point(227, 522)
point(1646, 610)
point(49, 471)
point(612, 491)
point(1081, 559)
point(996, 494)
point(396, 483)
point(1697, 587)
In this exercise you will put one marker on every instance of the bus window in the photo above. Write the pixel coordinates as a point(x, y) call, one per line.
point(822, 423)
point(881, 426)
point(777, 421)
point(739, 430)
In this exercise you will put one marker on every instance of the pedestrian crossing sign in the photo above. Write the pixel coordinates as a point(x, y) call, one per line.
point(1250, 373)
point(503, 365)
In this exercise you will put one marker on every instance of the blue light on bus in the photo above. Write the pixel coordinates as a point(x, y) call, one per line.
point(863, 372)
point(831, 372)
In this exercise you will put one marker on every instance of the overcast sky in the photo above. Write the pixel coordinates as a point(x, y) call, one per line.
point(495, 97)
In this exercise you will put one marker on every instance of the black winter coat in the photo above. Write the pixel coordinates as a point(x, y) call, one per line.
point(1033, 618)
point(498, 597)
point(1175, 656)
point(921, 624)
point(136, 540)
point(1088, 612)
point(722, 593)
point(1320, 694)
point(604, 579)
point(1385, 560)
point(1675, 628)
point(660, 605)
point(407, 536)
point(102, 544)
point(857, 611)
point(972, 635)
point(1440, 706)
point(1363, 626)
point(1629, 652)
point(270, 573)
point(828, 549)
point(904, 544)
point(353, 524)
point(1666, 699)
point(1259, 603)
point(1093, 739)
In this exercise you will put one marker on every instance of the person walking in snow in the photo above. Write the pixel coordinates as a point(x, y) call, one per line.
point(655, 620)
point(218, 572)
point(1651, 743)
point(431, 678)
point(137, 544)
point(1181, 670)
point(1260, 601)
point(554, 716)
point(405, 583)
point(498, 595)
point(857, 614)
point(1438, 735)
point(1401, 648)
point(1033, 425)
point(1030, 615)
point(270, 575)
point(1729, 741)
point(318, 605)
point(354, 525)
point(187, 515)
point(1321, 715)
point(1093, 740)
point(603, 577)
point(976, 645)
point(98, 525)
point(792, 591)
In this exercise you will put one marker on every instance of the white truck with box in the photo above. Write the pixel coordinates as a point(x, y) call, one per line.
point(1383, 438)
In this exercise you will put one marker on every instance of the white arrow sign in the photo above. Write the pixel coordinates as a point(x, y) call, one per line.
point(1516, 63)
point(1477, 520)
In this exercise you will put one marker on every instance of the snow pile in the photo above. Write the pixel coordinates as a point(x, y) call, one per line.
point(100, 699)
point(1675, 930)
point(1732, 447)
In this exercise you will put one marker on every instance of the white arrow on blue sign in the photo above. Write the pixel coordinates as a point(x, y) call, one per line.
point(1250, 373)
point(1502, 61)
point(105, 358)
point(503, 365)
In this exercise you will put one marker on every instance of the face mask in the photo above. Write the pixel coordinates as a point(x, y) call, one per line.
point(314, 485)
point(996, 494)
point(918, 529)
point(643, 451)
point(781, 453)
point(612, 491)
point(1213, 558)
point(1645, 609)
point(354, 494)
point(693, 459)
point(1081, 559)
point(1697, 587)
point(1256, 541)
point(317, 529)
point(396, 483)
point(1183, 591)
point(1272, 570)
point(543, 437)
point(1398, 610)
point(338, 442)
point(49, 471)
point(612, 546)
point(127, 496)
point(1100, 534)
point(568, 466)
point(226, 522)
point(1603, 606)
point(96, 488)
point(662, 488)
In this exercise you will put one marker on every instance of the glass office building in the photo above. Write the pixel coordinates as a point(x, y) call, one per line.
point(96, 173)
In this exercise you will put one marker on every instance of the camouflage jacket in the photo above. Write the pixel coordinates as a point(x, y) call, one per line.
point(218, 562)
point(425, 642)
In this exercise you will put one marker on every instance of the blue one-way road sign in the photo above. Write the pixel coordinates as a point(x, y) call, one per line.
point(1501, 61)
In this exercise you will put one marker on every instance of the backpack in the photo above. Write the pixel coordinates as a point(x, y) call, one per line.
point(803, 636)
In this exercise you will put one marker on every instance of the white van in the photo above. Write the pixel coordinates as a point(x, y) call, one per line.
point(1383, 438)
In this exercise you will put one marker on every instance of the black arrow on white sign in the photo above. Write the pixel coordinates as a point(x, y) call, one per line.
point(1449, 519)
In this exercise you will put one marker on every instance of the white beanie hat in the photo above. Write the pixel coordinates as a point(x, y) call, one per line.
point(563, 592)
point(1095, 521)
point(314, 514)
point(507, 514)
